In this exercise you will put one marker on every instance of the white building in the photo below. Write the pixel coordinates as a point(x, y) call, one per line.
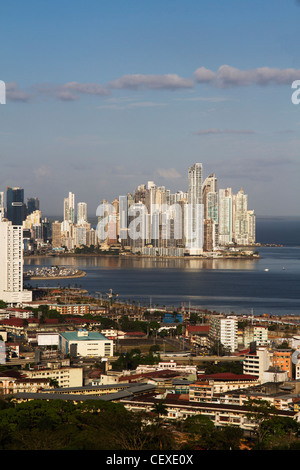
point(81, 213)
point(225, 216)
point(194, 227)
point(85, 343)
point(65, 376)
point(225, 330)
point(240, 218)
point(257, 363)
point(69, 208)
point(258, 334)
point(11, 264)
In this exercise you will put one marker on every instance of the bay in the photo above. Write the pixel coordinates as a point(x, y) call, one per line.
point(222, 285)
point(239, 286)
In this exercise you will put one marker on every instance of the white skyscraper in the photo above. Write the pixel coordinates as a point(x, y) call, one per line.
point(225, 216)
point(240, 218)
point(11, 264)
point(81, 213)
point(194, 211)
point(1, 204)
point(69, 208)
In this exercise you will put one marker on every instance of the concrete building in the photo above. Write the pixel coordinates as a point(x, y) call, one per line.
point(71, 309)
point(194, 216)
point(225, 330)
point(56, 234)
point(257, 334)
point(85, 343)
point(11, 264)
point(257, 362)
point(282, 358)
point(81, 213)
point(69, 208)
point(15, 207)
point(225, 216)
point(65, 376)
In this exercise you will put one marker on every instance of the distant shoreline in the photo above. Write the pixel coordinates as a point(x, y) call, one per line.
point(72, 276)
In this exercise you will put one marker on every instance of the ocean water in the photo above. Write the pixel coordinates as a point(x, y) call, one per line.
point(239, 286)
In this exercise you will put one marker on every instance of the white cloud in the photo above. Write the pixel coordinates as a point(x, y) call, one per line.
point(204, 75)
point(152, 82)
point(228, 76)
point(13, 93)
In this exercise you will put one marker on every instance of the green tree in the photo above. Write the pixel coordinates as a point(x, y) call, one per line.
point(159, 409)
point(258, 411)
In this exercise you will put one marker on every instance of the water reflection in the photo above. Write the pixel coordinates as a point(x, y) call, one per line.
point(114, 262)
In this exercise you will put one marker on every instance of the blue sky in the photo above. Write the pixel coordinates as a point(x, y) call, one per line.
point(104, 96)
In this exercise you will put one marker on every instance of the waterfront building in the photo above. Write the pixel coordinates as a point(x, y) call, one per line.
point(11, 264)
point(69, 208)
point(240, 218)
point(225, 216)
point(194, 212)
point(81, 213)
point(251, 226)
point(56, 234)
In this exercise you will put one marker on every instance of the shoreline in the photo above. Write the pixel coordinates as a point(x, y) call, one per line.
point(51, 278)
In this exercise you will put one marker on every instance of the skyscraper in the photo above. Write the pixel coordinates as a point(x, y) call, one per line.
point(15, 207)
point(69, 208)
point(240, 218)
point(2, 204)
point(211, 212)
point(11, 264)
point(33, 204)
point(225, 216)
point(81, 213)
point(194, 210)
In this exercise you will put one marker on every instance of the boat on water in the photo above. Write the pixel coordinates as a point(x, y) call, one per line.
point(267, 269)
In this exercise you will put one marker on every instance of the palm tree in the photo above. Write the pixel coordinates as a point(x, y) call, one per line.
point(160, 409)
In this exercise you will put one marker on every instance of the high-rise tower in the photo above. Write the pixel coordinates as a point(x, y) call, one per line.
point(11, 264)
point(15, 207)
point(194, 210)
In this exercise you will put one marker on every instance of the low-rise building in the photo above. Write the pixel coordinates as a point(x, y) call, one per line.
point(208, 387)
point(282, 358)
point(71, 309)
point(65, 376)
point(85, 343)
point(256, 362)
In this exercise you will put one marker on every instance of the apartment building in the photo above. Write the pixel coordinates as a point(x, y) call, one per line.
point(225, 330)
point(282, 358)
point(257, 362)
point(65, 376)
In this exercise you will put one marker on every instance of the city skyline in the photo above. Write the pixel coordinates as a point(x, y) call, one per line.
point(127, 93)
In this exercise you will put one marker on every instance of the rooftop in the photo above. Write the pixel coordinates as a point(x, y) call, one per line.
point(90, 336)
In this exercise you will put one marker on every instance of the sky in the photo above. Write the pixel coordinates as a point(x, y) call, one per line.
point(102, 96)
